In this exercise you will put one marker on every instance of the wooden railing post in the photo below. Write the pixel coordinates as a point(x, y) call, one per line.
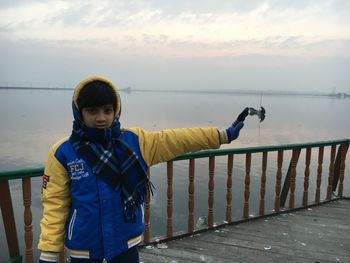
point(288, 179)
point(28, 228)
point(295, 157)
point(342, 169)
point(262, 185)
point(147, 208)
point(229, 188)
point(319, 174)
point(342, 150)
point(248, 160)
point(190, 223)
point(211, 191)
point(8, 219)
point(306, 176)
point(331, 172)
point(169, 229)
point(62, 257)
point(278, 181)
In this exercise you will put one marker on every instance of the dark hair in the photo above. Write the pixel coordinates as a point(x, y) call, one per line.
point(95, 94)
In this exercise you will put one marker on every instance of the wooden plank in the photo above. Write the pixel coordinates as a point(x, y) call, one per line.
point(278, 227)
point(203, 251)
point(250, 251)
point(151, 256)
point(320, 234)
point(306, 245)
point(285, 236)
point(182, 254)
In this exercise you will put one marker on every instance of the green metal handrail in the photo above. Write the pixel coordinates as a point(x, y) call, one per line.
point(20, 174)
point(259, 149)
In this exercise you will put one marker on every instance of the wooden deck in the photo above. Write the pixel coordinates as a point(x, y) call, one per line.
point(317, 234)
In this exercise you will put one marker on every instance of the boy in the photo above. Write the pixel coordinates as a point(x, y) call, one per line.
point(95, 181)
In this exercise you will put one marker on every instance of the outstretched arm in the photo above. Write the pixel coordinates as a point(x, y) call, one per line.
point(165, 145)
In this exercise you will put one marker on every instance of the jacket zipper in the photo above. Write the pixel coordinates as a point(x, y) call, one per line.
point(71, 224)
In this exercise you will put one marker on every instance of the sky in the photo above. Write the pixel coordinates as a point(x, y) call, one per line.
point(299, 45)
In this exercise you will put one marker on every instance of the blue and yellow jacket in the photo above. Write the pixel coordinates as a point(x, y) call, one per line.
point(85, 214)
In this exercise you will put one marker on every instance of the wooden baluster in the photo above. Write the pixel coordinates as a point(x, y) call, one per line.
point(28, 228)
point(263, 184)
point(63, 256)
point(248, 159)
point(190, 223)
point(169, 229)
point(147, 233)
point(331, 172)
point(229, 188)
point(344, 149)
point(211, 191)
point(293, 174)
point(337, 165)
point(319, 175)
point(306, 176)
point(278, 181)
point(8, 219)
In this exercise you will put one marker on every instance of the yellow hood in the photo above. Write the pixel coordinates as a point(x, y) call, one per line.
point(80, 86)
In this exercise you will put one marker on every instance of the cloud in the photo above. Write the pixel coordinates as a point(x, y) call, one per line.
point(184, 6)
point(109, 14)
point(156, 30)
point(234, 6)
point(205, 6)
point(16, 3)
point(291, 42)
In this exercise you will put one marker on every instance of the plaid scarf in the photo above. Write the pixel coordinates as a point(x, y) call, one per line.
point(112, 160)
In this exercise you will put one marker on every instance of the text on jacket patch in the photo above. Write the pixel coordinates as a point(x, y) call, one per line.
point(77, 169)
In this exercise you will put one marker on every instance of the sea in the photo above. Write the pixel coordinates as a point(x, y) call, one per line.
point(32, 120)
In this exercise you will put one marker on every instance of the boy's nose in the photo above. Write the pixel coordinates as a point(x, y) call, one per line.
point(101, 116)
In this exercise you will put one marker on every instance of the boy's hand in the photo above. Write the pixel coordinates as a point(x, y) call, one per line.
point(233, 131)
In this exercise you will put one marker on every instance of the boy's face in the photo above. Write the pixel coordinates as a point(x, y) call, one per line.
point(98, 117)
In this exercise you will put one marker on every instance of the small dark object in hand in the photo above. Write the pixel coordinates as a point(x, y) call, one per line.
point(260, 113)
point(250, 111)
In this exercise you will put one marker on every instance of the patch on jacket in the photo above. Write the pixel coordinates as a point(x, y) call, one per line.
point(77, 169)
point(46, 179)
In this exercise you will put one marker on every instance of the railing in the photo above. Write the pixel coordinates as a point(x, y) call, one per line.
point(337, 155)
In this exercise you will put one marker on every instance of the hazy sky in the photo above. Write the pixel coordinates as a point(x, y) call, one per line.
point(156, 44)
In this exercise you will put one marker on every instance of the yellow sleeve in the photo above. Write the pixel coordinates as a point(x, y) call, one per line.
point(56, 202)
point(165, 145)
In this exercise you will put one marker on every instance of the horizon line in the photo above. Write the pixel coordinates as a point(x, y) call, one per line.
point(222, 91)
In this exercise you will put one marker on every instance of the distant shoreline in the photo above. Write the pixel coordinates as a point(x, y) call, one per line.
point(228, 92)
point(252, 92)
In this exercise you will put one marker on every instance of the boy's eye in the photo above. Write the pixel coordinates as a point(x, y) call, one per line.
point(91, 110)
point(108, 110)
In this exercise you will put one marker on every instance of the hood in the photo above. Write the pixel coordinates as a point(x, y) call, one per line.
point(81, 85)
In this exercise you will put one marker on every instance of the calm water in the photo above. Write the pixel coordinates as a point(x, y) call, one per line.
point(33, 120)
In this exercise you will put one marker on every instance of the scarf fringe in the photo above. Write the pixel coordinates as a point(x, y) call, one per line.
point(136, 199)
